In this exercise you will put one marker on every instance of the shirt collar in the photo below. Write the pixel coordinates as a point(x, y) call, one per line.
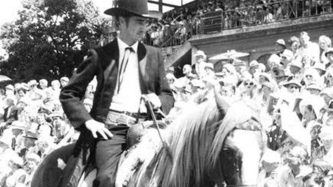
point(122, 45)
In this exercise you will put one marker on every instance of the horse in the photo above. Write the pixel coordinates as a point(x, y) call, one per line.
point(210, 143)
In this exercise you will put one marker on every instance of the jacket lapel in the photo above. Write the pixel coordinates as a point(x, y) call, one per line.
point(143, 74)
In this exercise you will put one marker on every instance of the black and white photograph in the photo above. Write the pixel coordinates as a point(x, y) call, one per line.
point(166, 93)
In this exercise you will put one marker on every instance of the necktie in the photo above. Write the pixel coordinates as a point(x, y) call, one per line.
point(123, 66)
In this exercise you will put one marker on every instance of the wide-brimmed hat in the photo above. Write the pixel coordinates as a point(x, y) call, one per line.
point(18, 125)
point(209, 66)
point(296, 63)
point(314, 87)
point(129, 8)
point(287, 53)
point(200, 53)
point(254, 63)
point(292, 81)
point(281, 42)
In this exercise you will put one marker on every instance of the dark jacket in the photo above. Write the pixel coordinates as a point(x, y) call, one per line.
point(103, 63)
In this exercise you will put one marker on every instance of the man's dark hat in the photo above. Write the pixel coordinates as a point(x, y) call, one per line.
point(129, 8)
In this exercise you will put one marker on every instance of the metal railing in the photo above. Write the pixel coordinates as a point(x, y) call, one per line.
point(264, 14)
point(259, 14)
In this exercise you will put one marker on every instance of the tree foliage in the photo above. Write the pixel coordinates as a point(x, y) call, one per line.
point(50, 38)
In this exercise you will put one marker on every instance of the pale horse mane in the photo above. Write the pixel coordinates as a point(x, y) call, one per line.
point(189, 139)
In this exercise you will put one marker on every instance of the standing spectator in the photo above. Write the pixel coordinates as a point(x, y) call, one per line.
point(324, 43)
point(308, 48)
point(63, 81)
point(200, 63)
point(280, 46)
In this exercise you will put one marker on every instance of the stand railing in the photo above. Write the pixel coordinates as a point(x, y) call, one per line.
point(259, 14)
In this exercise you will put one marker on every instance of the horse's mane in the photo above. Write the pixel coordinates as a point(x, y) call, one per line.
point(189, 138)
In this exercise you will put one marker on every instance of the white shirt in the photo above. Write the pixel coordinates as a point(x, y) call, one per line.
point(129, 95)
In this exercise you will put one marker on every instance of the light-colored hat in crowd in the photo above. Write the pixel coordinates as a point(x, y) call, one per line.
point(254, 63)
point(314, 87)
point(281, 42)
point(18, 125)
point(170, 76)
point(292, 81)
point(288, 54)
point(200, 53)
point(274, 60)
point(296, 63)
point(209, 66)
point(268, 85)
point(24, 86)
point(32, 82)
point(10, 87)
point(231, 68)
point(64, 79)
point(329, 51)
point(33, 157)
point(320, 67)
point(327, 91)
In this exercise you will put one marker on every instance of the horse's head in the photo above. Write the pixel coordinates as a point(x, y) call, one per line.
point(238, 146)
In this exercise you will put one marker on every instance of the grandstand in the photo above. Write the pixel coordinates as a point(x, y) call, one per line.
point(216, 26)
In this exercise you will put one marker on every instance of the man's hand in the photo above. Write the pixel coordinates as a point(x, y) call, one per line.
point(154, 99)
point(98, 127)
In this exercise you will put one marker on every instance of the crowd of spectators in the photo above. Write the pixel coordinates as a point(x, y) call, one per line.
point(32, 125)
point(179, 24)
point(293, 95)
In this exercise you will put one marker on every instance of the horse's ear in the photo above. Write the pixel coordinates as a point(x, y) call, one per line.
point(222, 105)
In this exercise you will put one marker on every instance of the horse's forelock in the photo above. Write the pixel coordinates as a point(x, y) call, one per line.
point(237, 113)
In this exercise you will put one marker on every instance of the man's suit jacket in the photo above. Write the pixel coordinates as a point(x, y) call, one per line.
point(10, 115)
point(103, 63)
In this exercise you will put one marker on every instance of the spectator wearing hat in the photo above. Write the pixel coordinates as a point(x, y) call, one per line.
point(280, 46)
point(313, 89)
point(324, 43)
point(329, 56)
point(9, 91)
point(294, 44)
point(296, 70)
point(308, 48)
point(63, 81)
point(253, 67)
point(320, 67)
point(34, 93)
point(200, 63)
point(209, 71)
point(188, 75)
point(286, 58)
point(311, 76)
point(292, 86)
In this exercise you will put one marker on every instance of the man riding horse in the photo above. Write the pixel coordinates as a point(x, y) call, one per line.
point(126, 70)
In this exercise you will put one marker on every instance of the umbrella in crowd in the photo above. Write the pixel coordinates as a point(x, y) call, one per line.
point(230, 54)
